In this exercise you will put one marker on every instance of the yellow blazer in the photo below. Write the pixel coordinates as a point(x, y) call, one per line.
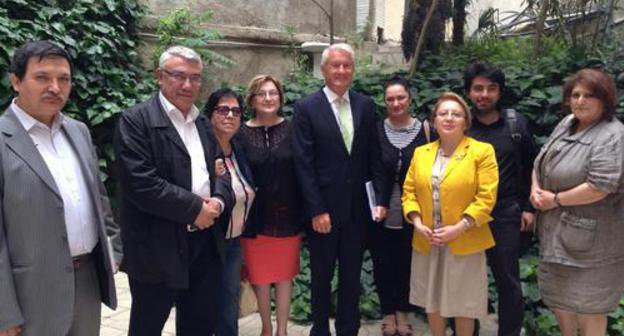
point(468, 187)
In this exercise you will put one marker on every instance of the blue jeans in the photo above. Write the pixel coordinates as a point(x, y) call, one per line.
point(229, 290)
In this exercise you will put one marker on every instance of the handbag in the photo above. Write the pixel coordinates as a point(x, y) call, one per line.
point(248, 303)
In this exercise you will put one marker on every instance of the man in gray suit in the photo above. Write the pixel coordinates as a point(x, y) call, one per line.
point(56, 227)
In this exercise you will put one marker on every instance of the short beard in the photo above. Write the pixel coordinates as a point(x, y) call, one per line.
point(481, 112)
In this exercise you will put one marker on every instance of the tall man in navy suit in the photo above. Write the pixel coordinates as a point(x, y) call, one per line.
point(337, 152)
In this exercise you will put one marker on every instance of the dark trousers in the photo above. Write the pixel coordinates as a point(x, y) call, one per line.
point(228, 295)
point(195, 306)
point(343, 244)
point(503, 261)
point(391, 250)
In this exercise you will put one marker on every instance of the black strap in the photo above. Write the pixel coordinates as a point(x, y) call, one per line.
point(511, 119)
point(512, 122)
point(427, 129)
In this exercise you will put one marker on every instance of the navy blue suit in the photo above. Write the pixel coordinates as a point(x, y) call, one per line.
point(332, 181)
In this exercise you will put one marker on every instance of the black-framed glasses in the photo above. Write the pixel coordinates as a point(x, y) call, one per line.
point(181, 77)
point(224, 111)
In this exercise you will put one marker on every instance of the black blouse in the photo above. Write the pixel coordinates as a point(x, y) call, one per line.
point(276, 211)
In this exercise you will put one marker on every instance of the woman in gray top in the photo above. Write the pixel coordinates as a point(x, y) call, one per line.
point(577, 188)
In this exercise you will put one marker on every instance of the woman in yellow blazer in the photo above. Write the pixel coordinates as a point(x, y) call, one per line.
point(448, 194)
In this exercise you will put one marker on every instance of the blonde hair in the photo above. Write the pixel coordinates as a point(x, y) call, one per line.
point(255, 84)
point(452, 96)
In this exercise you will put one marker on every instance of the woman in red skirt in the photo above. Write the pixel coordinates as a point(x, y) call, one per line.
point(271, 240)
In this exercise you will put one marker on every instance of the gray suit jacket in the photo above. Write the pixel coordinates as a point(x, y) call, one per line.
point(36, 270)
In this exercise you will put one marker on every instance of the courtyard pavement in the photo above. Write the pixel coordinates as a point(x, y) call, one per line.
point(115, 323)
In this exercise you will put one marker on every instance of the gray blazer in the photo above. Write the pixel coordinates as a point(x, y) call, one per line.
point(590, 235)
point(36, 270)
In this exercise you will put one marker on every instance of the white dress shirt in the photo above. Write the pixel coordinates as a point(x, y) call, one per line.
point(64, 165)
point(190, 137)
point(334, 101)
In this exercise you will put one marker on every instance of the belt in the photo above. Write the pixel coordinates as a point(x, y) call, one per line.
point(79, 261)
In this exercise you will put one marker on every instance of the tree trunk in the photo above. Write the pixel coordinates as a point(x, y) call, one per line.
point(421, 38)
point(411, 23)
point(539, 26)
point(331, 22)
point(459, 21)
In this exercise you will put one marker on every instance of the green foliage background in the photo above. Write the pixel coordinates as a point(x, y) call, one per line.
point(102, 38)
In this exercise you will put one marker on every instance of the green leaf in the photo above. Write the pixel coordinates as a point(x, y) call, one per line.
point(538, 94)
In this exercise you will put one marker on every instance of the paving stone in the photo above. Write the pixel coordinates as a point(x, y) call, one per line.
point(115, 323)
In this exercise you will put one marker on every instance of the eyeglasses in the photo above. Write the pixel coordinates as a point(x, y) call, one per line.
point(181, 77)
point(271, 94)
point(224, 111)
point(451, 114)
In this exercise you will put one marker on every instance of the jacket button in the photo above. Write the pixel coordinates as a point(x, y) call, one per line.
point(69, 269)
point(64, 237)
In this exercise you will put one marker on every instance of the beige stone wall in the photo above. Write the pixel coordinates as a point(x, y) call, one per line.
point(301, 15)
point(255, 35)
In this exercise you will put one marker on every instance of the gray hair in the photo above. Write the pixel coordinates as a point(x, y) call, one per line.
point(179, 51)
point(337, 47)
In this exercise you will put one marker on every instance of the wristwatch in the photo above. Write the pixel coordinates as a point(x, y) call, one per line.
point(557, 200)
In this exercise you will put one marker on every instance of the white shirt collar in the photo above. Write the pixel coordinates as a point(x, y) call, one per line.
point(28, 122)
point(174, 113)
point(332, 96)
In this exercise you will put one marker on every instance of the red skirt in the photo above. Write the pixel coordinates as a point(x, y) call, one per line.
point(271, 259)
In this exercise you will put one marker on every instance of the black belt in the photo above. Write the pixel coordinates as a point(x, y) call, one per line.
point(78, 261)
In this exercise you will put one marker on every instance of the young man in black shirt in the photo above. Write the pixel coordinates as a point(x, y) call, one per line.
point(515, 149)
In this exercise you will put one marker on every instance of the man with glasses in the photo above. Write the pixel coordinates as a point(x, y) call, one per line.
point(170, 198)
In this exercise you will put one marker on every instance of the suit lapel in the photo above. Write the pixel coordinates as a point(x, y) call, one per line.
point(427, 162)
point(160, 119)
point(22, 145)
point(208, 144)
point(356, 114)
point(456, 158)
point(81, 148)
point(174, 136)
